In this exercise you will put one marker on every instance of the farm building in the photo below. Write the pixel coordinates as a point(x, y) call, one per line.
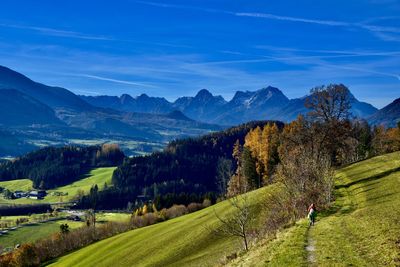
point(37, 194)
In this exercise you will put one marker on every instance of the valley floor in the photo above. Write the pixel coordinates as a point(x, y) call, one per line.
point(38, 228)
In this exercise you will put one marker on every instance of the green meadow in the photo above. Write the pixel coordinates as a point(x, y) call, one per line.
point(98, 176)
point(33, 231)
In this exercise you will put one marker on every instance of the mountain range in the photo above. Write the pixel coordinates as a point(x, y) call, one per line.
point(267, 103)
point(34, 115)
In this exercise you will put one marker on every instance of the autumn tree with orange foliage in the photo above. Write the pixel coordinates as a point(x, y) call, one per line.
point(263, 144)
point(386, 140)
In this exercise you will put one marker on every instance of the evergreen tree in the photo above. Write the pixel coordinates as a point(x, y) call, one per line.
point(238, 184)
point(93, 196)
point(249, 169)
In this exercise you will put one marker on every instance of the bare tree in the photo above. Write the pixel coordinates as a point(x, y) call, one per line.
point(329, 103)
point(306, 178)
point(90, 216)
point(237, 225)
point(329, 111)
point(224, 173)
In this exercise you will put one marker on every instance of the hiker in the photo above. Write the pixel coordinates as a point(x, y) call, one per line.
point(312, 212)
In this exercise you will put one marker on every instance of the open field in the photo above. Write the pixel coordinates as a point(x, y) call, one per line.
point(97, 176)
point(183, 241)
point(361, 229)
point(34, 232)
point(112, 217)
point(14, 185)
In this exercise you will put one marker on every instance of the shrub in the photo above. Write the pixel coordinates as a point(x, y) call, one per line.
point(6, 260)
point(176, 211)
point(192, 207)
point(206, 203)
point(26, 255)
point(150, 218)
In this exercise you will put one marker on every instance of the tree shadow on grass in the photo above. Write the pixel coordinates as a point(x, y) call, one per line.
point(334, 209)
point(342, 208)
point(365, 190)
point(381, 199)
point(368, 179)
point(362, 188)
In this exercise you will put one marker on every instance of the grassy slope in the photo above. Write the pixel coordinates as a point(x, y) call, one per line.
point(96, 176)
point(287, 249)
point(14, 185)
point(364, 226)
point(361, 229)
point(182, 241)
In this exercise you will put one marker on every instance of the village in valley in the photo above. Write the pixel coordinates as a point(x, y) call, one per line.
point(32, 194)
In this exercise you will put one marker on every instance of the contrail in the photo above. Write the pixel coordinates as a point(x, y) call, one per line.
point(114, 80)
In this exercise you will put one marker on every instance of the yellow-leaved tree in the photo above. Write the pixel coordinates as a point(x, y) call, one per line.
point(263, 144)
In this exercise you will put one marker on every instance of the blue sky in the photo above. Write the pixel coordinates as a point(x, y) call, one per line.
point(175, 48)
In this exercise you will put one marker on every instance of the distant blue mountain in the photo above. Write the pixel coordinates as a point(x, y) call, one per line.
point(18, 109)
point(252, 105)
point(142, 103)
point(202, 107)
point(54, 97)
point(296, 106)
point(387, 116)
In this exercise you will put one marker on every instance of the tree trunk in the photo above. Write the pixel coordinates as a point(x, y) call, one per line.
point(245, 239)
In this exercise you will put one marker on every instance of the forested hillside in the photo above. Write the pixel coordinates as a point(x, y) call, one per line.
point(188, 170)
point(57, 166)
